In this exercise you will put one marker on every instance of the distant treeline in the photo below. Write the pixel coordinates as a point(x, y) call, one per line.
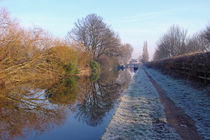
point(34, 55)
point(178, 54)
point(176, 42)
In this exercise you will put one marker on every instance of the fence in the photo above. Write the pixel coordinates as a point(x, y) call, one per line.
point(195, 66)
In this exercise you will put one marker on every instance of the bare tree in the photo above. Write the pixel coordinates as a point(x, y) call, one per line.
point(175, 42)
point(145, 55)
point(197, 43)
point(172, 43)
point(205, 36)
point(207, 33)
point(96, 36)
point(125, 53)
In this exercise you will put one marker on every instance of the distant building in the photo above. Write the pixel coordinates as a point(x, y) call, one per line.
point(133, 64)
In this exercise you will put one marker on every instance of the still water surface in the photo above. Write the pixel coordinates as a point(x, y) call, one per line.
point(75, 108)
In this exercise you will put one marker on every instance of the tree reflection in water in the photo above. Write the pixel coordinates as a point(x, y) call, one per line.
point(63, 92)
point(21, 112)
point(39, 107)
point(100, 97)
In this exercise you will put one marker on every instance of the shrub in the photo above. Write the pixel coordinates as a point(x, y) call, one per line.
point(70, 69)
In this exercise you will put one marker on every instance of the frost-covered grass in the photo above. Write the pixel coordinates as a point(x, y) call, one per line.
point(140, 114)
point(195, 103)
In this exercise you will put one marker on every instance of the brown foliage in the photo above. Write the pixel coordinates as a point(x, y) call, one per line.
point(33, 55)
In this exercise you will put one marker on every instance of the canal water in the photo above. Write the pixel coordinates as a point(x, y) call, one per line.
point(75, 108)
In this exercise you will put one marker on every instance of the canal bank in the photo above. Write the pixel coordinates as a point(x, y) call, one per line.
point(156, 106)
point(140, 114)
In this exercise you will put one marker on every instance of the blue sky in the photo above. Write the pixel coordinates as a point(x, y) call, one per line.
point(134, 20)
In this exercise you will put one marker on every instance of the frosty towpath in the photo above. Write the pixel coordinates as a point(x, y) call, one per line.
point(156, 106)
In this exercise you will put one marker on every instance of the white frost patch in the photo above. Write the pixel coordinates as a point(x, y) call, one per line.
point(195, 103)
point(140, 114)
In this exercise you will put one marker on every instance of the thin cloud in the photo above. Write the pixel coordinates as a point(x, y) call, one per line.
point(142, 16)
point(151, 15)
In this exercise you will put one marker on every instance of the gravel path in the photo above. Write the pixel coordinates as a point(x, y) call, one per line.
point(156, 106)
point(195, 103)
point(140, 114)
point(175, 116)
